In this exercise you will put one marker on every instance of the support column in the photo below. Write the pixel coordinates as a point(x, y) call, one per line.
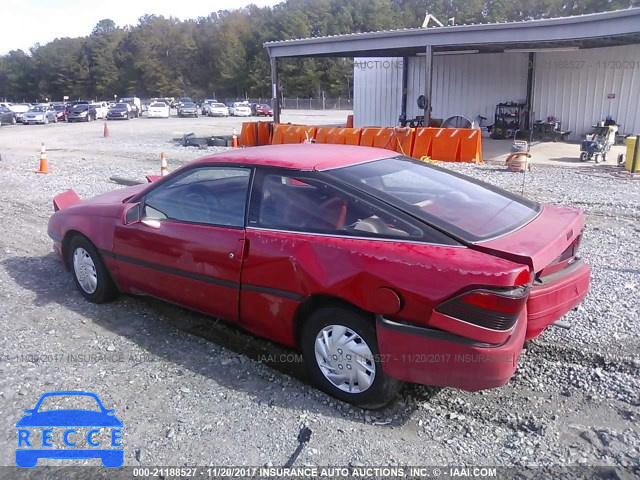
point(275, 103)
point(428, 74)
point(405, 82)
point(530, 77)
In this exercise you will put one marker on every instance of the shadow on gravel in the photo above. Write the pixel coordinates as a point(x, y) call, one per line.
point(136, 318)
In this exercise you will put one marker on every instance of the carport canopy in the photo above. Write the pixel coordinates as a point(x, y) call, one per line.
point(620, 27)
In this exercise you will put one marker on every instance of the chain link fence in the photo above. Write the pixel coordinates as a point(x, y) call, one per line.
point(302, 103)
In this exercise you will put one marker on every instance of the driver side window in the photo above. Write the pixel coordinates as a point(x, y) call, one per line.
point(205, 195)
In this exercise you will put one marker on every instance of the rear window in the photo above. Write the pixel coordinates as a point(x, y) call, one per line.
point(465, 207)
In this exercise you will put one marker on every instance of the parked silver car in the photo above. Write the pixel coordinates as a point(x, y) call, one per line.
point(40, 114)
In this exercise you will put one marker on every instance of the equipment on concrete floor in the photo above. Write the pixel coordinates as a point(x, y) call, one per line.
point(598, 143)
point(519, 158)
point(508, 120)
point(551, 129)
point(458, 121)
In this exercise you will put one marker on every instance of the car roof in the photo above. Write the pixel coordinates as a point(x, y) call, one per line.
point(301, 156)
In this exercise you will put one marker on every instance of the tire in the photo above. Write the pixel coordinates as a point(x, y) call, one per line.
point(90, 275)
point(584, 156)
point(46, 120)
point(621, 159)
point(13, 120)
point(359, 330)
point(55, 119)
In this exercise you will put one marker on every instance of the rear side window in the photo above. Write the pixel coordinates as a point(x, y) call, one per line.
point(307, 204)
point(462, 206)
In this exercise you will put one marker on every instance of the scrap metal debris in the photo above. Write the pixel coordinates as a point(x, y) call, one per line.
point(303, 438)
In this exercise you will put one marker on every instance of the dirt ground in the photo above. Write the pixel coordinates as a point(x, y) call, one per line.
point(191, 390)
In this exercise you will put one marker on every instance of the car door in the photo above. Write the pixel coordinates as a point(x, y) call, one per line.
point(188, 245)
point(308, 238)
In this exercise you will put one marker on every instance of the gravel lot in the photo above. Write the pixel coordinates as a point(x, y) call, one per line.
point(193, 391)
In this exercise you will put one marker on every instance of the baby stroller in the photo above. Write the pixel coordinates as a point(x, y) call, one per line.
point(598, 143)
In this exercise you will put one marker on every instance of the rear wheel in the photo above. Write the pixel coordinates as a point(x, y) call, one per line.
point(340, 351)
point(89, 272)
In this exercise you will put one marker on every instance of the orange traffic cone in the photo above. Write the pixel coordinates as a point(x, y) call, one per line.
point(105, 132)
point(164, 168)
point(234, 139)
point(44, 163)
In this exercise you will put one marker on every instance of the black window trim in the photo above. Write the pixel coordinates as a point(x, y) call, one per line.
point(141, 197)
point(347, 189)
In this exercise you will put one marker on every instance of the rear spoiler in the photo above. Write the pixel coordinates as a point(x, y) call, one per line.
point(65, 200)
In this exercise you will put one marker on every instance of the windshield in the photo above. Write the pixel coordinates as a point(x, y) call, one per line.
point(81, 108)
point(158, 105)
point(460, 205)
point(218, 105)
point(38, 109)
point(120, 106)
point(69, 402)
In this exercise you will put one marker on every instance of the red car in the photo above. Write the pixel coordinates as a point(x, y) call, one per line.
point(61, 112)
point(263, 110)
point(379, 268)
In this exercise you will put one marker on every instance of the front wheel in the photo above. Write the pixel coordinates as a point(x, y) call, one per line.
point(584, 156)
point(89, 272)
point(340, 351)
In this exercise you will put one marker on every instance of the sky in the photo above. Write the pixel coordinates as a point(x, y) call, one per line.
point(27, 22)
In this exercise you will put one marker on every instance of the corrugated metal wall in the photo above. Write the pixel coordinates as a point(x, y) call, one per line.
point(573, 87)
point(472, 84)
point(469, 84)
point(377, 91)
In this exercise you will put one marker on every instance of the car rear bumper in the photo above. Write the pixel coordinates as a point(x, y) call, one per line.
point(427, 356)
point(555, 296)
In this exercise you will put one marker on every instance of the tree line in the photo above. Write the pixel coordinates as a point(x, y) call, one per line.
point(223, 54)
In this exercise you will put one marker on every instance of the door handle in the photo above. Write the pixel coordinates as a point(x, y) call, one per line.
point(149, 222)
point(242, 249)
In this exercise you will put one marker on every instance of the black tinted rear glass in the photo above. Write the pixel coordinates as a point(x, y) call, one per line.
point(465, 207)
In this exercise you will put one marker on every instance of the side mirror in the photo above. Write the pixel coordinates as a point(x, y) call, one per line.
point(132, 215)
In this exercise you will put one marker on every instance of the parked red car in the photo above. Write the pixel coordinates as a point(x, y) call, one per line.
point(263, 110)
point(61, 111)
point(380, 268)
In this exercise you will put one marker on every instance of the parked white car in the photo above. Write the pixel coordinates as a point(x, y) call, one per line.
point(206, 104)
point(19, 109)
point(218, 110)
point(158, 110)
point(240, 110)
point(102, 108)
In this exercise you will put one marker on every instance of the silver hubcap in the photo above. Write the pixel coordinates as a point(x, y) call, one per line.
point(345, 359)
point(85, 270)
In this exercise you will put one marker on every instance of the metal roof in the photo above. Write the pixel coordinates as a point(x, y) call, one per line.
point(618, 27)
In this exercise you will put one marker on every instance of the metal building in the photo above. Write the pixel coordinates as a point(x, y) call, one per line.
point(576, 69)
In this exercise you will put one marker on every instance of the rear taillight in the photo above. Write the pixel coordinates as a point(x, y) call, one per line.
point(496, 309)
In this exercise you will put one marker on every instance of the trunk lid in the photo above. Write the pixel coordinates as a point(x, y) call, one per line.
point(541, 241)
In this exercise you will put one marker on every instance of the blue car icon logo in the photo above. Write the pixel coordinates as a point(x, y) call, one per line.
point(69, 433)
